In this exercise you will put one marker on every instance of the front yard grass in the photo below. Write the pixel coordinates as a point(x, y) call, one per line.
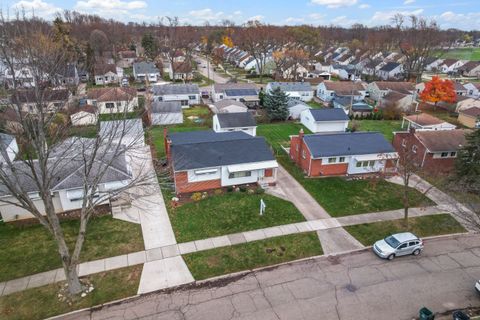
point(341, 197)
point(245, 256)
point(278, 134)
point(425, 226)
point(229, 213)
point(156, 134)
point(30, 249)
point(42, 302)
point(386, 127)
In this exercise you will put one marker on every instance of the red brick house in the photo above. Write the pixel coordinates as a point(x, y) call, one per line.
point(342, 154)
point(434, 151)
point(204, 160)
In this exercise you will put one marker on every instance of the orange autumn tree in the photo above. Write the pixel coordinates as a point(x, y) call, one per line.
point(438, 90)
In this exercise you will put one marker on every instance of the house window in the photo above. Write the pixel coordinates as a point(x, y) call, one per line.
point(365, 164)
point(205, 172)
point(342, 159)
point(34, 195)
point(109, 105)
point(220, 96)
point(453, 154)
point(192, 97)
point(119, 104)
point(371, 163)
point(332, 160)
point(184, 102)
point(304, 154)
point(160, 98)
point(241, 174)
point(414, 149)
point(444, 154)
point(404, 143)
point(75, 195)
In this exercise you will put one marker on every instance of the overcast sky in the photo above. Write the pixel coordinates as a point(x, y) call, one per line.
point(448, 13)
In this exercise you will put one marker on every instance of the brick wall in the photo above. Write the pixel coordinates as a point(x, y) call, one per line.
point(296, 153)
point(318, 169)
point(183, 186)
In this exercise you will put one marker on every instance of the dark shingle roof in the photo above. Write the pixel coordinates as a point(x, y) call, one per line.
point(145, 67)
point(291, 86)
point(166, 107)
point(5, 139)
point(237, 119)
point(176, 89)
point(335, 114)
point(345, 144)
point(442, 140)
point(204, 149)
point(390, 66)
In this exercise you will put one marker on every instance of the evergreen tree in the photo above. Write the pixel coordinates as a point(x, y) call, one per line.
point(149, 45)
point(468, 163)
point(275, 103)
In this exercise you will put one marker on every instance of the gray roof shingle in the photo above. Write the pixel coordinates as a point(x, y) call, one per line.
point(291, 86)
point(145, 68)
point(237, 119)
point(336, 114)
point(346, 144)
point(175, 89)
point(166, 107)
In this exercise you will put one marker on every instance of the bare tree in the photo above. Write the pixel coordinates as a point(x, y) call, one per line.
point(30, 183)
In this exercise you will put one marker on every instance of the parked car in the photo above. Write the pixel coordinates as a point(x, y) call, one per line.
point(477, 286)
point(399, 244)
point(460, 315)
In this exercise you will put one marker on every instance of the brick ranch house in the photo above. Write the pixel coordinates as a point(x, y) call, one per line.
point(205, 160)
point(434, 151)
point(342, 154)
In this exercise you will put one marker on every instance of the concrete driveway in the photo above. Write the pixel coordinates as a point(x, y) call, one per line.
point(347, 287)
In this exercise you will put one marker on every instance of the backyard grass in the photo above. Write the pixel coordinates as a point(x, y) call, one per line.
point(277, 134)
point(42, 302)
point(119, 116)
point(83, 131)
point(386, 127)
point(424, 226)
point(215, 262)
point(156, 134)
point(315, 105)
point(229, 213)
point(462, 54)
point(341, 197)
point(30, 249)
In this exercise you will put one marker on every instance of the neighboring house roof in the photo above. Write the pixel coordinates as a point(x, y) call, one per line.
point(112, 94)
point(117, 129)
point(459, 87)
point(361, 106)
point(219, 87)
point(394, 96)
point(127, 54)
point(166, 107)
point(86, 108)
point(222, 104)
point(182, 67)
point(291, 86)
point(236, 119)
point(424, 119)
point(449, 62)
point(295, 102)
point(442, 140)
point(5, 139)
point(469, 66)
point(346, 144)
point(472, 112)
point(103, 68)
point(402, 87)
point(344, 88)
point(390, 66)
point(30, 95)
point(195, 150)
point(175, 89)
point(145, 68)
point(336, 114)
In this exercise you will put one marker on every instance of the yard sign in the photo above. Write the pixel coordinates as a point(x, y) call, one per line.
point(262, 207)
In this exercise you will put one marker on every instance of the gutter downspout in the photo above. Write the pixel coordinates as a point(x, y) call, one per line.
point(424, 156)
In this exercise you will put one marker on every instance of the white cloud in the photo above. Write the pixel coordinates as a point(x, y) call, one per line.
point(256, 18)
point(385, 17)
point(343, 21)
point(334, 3)
point(465, 21)
point(408, 2)
point(292, 20)
point(208, 15)
point(364, 6)
point(116, 9)
point(40, 8)
point(316, 17)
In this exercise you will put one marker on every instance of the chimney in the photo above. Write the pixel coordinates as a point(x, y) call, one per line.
point(300, 146)
point(412, 130)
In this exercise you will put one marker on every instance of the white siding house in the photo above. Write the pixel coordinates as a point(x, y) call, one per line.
point(295, 90)
point(113, 100)
point(241, 121)
point(295, 108)
point(8, 147)
point(328, 90)
point(166, 112)
point(186, 94)
point(325, 120)
point(86, 116)
point(146, 71)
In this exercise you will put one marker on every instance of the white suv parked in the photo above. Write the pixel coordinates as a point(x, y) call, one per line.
point(399, 244)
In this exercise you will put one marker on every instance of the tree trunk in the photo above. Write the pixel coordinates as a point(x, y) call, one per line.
point(406, 205)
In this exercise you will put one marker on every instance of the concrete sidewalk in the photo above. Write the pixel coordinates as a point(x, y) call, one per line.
point(156, 276)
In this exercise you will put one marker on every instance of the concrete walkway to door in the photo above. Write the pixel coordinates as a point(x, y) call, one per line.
point(332, 240)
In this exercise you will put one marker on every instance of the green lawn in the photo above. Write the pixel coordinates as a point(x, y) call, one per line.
point(386, 127)
point(83, 131)
point(315, 104)
point(42, 302)
point(462, 54)
point(30, 250)
point(230, 213)
point(342, 198)
point(156, 133)
point(118, 116)
point(277, 134)
point(215, 262)
point(424, 226)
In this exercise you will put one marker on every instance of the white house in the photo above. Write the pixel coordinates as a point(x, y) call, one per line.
point(425, 122)
point(295, 108)
point(391, 70)
point(325, 120)
point(246, 93)
point(240, 121)
point(127, 132)
point(473, 89)
point(228, 106)
point(54, 100)
point(470, 69)
point(206, 160)
point(146, 71)
point(433, 64)
point(23, 77)
point(378, 89)
point(113, 100)
point(186, 94)
point(166, 112)
point(107, 73)
point(450, 65)
point(8, 148)
point(295, 90)
point(69, 178)
point(84, 116)
point(127, 58)
point(327, 90)
point(466, 103)
point(404, 102)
